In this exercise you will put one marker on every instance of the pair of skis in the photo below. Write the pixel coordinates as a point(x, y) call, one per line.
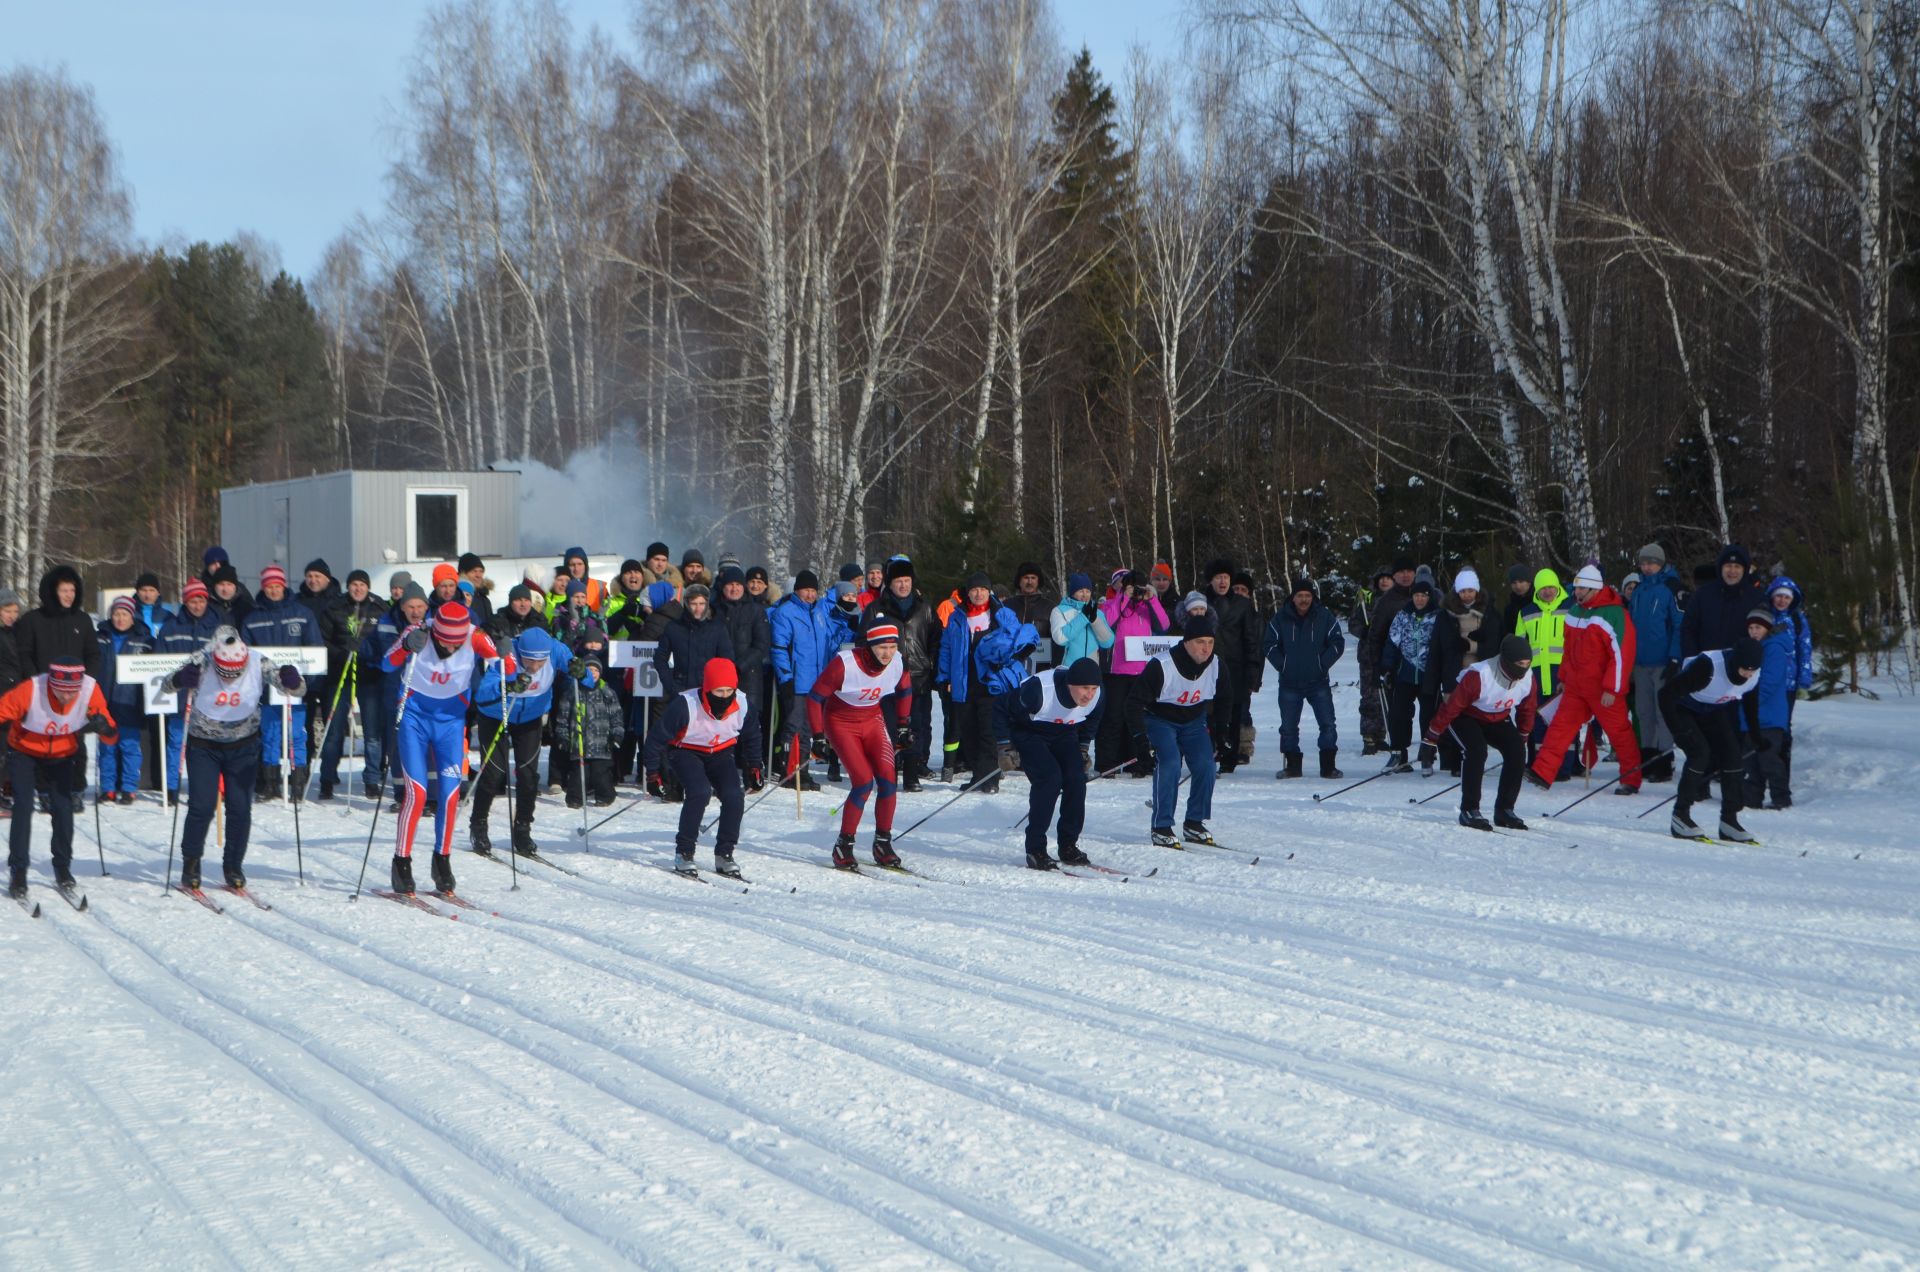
point(70, 893)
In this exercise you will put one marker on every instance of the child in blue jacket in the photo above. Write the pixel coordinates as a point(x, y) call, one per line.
point(1767, 768)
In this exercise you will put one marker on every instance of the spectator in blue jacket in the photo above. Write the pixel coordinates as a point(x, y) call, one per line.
point(409, 611)
point(1767, 768)
point(1078, 625)
point(1655, 610)
point(147, 608)
point(805, 635)
point(277, 619)
point(1303, 643)
point(981, 655)
point(186, 634)
point(122, 633)
point(1789, 608)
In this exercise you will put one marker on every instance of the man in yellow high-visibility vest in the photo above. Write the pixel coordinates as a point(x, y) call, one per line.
point(1543, 622)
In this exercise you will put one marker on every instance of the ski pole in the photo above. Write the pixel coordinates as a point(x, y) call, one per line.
point(178, 790)
point(1321, 799)
point(100, 787)
point(977, 782)
point(406, 695)
point(1644, 761)
point(743, 812)
point(286, 778)
point(1097, 777)
point(1456, 786)
point(1662, 804)
point(580, 760)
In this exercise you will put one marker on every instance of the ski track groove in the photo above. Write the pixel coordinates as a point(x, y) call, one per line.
point(1365, 1082)
point(512, 1240)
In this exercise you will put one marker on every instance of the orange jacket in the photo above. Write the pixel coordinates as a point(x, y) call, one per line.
point(44, 746)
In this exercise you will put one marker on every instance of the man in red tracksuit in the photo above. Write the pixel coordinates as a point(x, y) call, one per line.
point(1596, 674)
point(847, 703)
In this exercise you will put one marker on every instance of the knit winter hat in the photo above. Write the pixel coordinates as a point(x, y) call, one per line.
point(359, 576)
point(147, 579)
point(719, 673)
point(578, 587)
point(1028, 567)
point(806, 579)
point(193, 588)
point(320, 564)
point(659, 594)
point(271, 575)
point(977, 579)
point(757, 572)
point(466, 590)
point(1629, 583)
point(444, 573)
point(692, 557)
point(1519, 574)
point(10, 597)
point(225, 573)
point(215, 555)
point(412, 592)
point(846, 590)
point(1118, 579)
point(1589, 576)
point(1076, 581)
point(1468, 579)
point(1783, 588)
point(1746, 653)
point(880, 633)
point(631, 566)
point(1651, 552)
point(401, 579)
point(1402, 564)
point(229, 653)
point(1424, 574)
point(1760, 614)
point(899, 567)
point(451, 623)
point(728, 559)
point(1161, 570)
point(471, 561)
point(657, 549)
point(534, 645)
point(1734, 552)
point(731, 574)
point(65, 679)
point(123, 603)
point(851, 571)
point(519, 592)
point(1198, 625)
point(1304, 584)
point(1084, 671)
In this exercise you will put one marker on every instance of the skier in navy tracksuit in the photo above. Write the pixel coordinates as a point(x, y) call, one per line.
point(186, 633)
point(695, 735)
point(541, 660)
point(277, 619)
point(1053, 716)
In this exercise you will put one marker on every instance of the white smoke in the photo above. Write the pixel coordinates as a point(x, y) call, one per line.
point(598, 501)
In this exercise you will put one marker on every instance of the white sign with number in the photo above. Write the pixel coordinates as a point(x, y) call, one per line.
point(1147, 648)
point(147, 671)
point(638, 654)
point(310, 659)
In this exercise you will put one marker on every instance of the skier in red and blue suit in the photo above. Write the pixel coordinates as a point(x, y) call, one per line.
point(432, 735)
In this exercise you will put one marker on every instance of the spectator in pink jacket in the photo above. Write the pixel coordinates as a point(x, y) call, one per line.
point(1132, 609)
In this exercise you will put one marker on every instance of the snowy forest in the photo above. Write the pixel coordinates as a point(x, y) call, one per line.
point(1485, 281)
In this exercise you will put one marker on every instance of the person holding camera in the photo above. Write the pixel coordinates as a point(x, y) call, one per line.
point(1131, 608)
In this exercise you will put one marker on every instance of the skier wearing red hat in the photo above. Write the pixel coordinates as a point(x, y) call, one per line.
point(846, 703)
point(446, 653)
point(696, 736)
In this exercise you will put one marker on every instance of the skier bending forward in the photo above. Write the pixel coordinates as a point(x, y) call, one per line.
point(846, 702)
point(432, 734)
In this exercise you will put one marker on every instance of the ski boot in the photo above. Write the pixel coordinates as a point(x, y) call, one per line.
point(807, 780)
point(479, 841)
point(843, 853)
point(1681, 826)
point(523, 840)
point(1397, 762)
point(190, 874)
point(235, 879)
point(883, 853)
point(17, 887)
point(403, 876)
point(1296, 767)
point(1472, 820)
point(1733, 832)
point(683, 865)
point(1040, 861)
point(1327, 767)
point(1164, 838)
point(297, 785)
point(443, 872)
point(1197, 833)
point(1070, 855)
point(725, 866)
point(1506, 819)
point(63, 877)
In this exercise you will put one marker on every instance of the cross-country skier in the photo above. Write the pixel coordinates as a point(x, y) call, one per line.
point(1492, 706)
point(44, 719)
point(1054, 716)
point(540, 659)
point(696, 736)
point(1703, 702)
point(845, 704)
point(223, 742)
point(1176, 709)
point(1596, 675)
point(431, 737)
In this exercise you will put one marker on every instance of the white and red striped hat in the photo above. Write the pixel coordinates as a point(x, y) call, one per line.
point(882, 632)
point(273, 574)
point(66, 678)
point(193, 588)
point(451, 623)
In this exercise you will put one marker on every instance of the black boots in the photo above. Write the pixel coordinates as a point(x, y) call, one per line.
point(1296, 766)
point(1327, 768)
point(442, 872)
point(403, 876)
point(190, 873)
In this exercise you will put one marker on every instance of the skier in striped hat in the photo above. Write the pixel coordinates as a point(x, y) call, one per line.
point(431, 740)
point(44, 719)
point(846, 704)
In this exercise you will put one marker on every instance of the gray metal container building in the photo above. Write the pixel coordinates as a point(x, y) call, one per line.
point(368, 519)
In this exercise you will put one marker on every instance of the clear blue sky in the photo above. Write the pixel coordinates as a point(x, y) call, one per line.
point(275, 117)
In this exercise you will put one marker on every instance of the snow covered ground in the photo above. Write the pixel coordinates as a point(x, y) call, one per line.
point(1390, 1043)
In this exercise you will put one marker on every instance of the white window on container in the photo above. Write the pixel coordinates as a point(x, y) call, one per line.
point(436, 522)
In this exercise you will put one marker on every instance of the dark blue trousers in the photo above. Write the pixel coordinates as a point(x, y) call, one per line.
point(703, 775)
point(1054, 774)
point(26, 771)
point(206, 765)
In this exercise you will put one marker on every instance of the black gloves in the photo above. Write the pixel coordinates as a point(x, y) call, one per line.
point(820, 749)
point(290, 679)
point(656, 786)
point(754, 779)
point(902, 738)
point(415, 640)
point(520, 683)
point(187, 678)
point(98, 723)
